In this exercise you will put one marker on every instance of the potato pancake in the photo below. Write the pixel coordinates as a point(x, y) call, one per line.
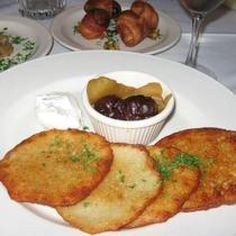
point(56, 167)
point(123, 194)
point(180, 175)
point(216, 149)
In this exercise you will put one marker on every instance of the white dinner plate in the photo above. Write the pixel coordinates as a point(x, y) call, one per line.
point(62, 30)
point(25, 31)
point(200, 102)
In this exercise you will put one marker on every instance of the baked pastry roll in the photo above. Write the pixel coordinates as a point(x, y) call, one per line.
point(131, 28)
point(94, 24)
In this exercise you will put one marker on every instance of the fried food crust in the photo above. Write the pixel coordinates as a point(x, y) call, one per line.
point(217, 151)
point(123, 194)
point(175, 190)
point(56, 167)
point(147, 13)
point(131, 28)
point(94, 24)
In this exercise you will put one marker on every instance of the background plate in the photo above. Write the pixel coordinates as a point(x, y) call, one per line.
point(26, 28)
point(200, 102)
point(62, 30)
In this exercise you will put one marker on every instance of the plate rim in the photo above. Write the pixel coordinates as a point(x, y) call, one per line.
point(23, 68)
point(144, 55)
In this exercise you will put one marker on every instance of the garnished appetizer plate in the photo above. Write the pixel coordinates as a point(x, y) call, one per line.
point(200, 102)
point(63, 31)
point(27, 38)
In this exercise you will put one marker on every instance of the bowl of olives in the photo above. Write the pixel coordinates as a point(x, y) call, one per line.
point(128, 106)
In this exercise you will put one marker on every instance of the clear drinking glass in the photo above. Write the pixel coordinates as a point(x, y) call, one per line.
point(198, 9)
point(41, 9)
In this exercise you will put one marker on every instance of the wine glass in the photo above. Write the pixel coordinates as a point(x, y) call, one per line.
point(198, 9)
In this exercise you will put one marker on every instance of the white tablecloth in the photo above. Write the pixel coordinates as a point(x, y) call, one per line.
point(218, 41)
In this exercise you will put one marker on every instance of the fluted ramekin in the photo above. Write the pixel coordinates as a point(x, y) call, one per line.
point(133, 132)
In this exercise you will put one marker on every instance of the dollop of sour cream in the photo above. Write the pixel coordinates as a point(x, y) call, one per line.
point(59, 110)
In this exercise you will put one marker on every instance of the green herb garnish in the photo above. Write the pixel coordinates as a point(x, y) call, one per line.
point(112, 41)
point(166, 166)
point(89, 154)
point(86, 204)
point(121, 176)
point(23, 50)
point(85, 128)
point(186, 160)
point(87, 157)
point(75, 158)
point(132, 186)
point(76, 28)
point(154, 34)
point(56, 142)
point(165, 170)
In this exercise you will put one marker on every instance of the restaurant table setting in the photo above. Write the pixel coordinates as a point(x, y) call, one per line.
point(191, 56)
point(217, 42)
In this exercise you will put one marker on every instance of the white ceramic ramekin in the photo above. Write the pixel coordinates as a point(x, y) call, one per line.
point(134, 132)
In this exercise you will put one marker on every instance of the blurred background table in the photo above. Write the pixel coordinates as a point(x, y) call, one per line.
point(218, 42)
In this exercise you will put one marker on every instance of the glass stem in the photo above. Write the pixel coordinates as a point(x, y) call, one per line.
point(197, 20)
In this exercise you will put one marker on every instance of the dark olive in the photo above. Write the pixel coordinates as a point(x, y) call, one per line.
point(109, 106)
point(132, 108)
point(139, 107)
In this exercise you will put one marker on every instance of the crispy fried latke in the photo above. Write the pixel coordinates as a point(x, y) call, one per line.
point(216, 149)
point(180, 175)
point(56, 167)
point(123, 194)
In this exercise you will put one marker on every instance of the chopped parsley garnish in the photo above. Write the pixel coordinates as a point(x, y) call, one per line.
point(56, 142)
point(85, 128)
point(23, 50)
point(75, 158)
point(84, 154)
point(17, 40)
point(132, 186)
point(68, 146)
point(89, 154)
point(166, 166)
point(154, 34)
point(112, 41)
point(165, 170)
point(76, 28)
point(186, 159)
point(86, 204)
point(121, 176)
point(87, 157)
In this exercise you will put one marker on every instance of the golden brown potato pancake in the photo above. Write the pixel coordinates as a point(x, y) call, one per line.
point(56, 167)
point(180, 175)
point(123, 194)
point(216, 149)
